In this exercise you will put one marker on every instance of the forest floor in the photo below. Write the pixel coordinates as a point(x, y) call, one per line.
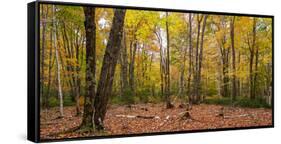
point(148, 118)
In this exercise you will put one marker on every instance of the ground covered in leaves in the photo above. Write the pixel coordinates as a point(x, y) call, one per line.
point(147, 118)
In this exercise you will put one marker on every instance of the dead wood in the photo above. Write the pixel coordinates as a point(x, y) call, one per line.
point(138, 116)
point(239, 116)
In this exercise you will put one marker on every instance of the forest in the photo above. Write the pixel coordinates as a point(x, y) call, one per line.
point(106, 71)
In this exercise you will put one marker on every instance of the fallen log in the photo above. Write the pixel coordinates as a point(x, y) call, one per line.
point(138, 116)
point(136, 107)
point(238, 116)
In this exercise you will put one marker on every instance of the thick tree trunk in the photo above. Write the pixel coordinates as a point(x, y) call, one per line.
point(108, 68)
point(90, 29)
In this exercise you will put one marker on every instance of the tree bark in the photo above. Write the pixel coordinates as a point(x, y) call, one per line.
point(224, 59)
point(182, 71)
point(234, 88)
point(133, 49)
point(58, 63)
point(168, 79)
point(108, 68)
point(201, 57)
point(157, 33)
point(50, 67)
point(252, 54)
point(44, 43)
point(190, 60)
point(77, 76)
point(124, 65)
point(90, 29)
point(195, 98)
point(256, 68)
point(69, 55)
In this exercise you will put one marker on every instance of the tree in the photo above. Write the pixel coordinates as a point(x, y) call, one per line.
point(124, 66)
point(133, 49)
point(195, 94)
point(234, 88)
point(190, 59)
point(198, 58)
point(252, 46)
point(108, 68)
point(44, 44)
point(167, 66)
point(224, 50)
point(57, 62)
point(201, 55)
point(90, 29)
point(49, 68)
point(157, 32)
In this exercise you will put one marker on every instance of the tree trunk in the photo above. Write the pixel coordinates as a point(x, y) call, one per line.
point(182, 70)
point(124, 65)
point(90, 29)
point(44, 43)
point(225, 67)
point(234, 89)
point(224, 60)
point(108, 68)
point(195, 98)
point(50, 68)
point(133, 49)
point(190, 60)
point(77, 77)
point(58, 63)
point(201, 57)
point(252, 54)
point(157, 33)
point(256, 69)
point(168, 79)
point(67, 46)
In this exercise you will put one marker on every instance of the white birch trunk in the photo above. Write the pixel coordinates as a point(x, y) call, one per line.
point(58, 64)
